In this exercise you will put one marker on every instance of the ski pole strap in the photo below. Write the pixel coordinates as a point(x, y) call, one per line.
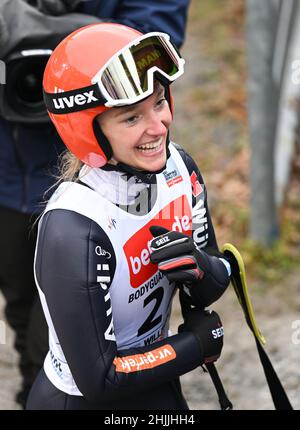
point(225, 403)
point(239, 281)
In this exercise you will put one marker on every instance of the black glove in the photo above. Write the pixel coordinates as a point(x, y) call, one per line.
point(178, 256)
point(208, 329)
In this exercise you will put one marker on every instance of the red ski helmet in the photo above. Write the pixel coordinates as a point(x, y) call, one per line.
point(96, 68)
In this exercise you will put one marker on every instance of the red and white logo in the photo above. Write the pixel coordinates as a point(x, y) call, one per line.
point(172, 178)
point(196, 186)
point(175, 216)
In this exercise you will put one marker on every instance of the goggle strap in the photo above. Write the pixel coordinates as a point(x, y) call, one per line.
point(75, 100)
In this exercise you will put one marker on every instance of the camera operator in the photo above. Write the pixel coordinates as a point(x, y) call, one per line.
point(30, 146)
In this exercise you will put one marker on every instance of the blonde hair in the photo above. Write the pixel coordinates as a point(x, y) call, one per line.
point(68, 168)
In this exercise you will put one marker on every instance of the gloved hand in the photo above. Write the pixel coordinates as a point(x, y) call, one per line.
point(177, 255)
point(208, 329)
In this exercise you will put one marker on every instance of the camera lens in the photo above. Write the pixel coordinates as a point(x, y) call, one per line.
point(24, 90)
point(28, 85)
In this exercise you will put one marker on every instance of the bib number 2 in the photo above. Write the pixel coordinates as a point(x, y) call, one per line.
point(151, 321)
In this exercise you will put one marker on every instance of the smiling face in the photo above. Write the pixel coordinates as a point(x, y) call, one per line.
point(138, 133)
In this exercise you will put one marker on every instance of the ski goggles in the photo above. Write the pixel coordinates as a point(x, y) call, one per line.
point(126, 78)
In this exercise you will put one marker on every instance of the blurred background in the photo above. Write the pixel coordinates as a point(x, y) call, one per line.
point(237, 113)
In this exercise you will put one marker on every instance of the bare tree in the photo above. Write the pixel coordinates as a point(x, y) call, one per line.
point(269, 24)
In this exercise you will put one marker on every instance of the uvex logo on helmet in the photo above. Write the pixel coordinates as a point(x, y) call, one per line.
point(175, 216)
point(71, 101)
point(74, 100)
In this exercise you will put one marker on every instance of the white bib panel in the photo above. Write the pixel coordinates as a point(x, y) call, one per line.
point(140, 296)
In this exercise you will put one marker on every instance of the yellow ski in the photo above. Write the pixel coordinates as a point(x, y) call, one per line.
point(239, 281)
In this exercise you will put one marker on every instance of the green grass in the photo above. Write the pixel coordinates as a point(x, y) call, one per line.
point(265, 266)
